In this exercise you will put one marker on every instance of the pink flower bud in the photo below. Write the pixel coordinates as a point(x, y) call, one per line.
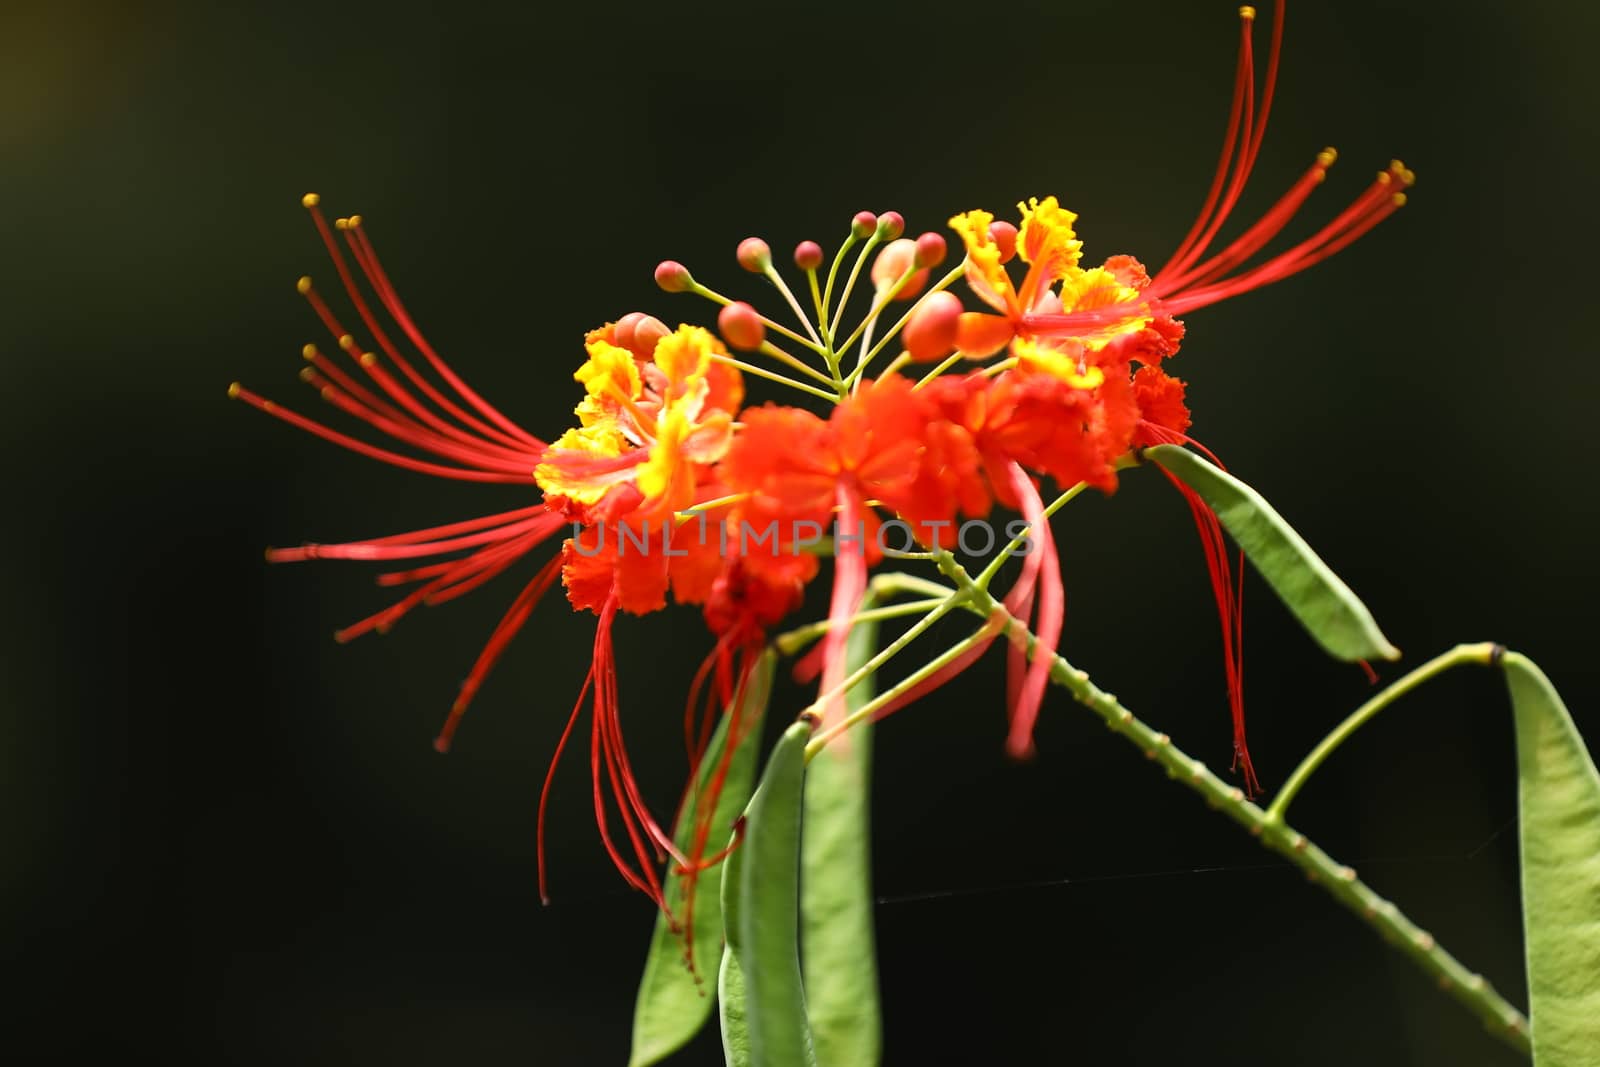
point(896, 258)
point(891, 224)
point(863, 224)
point(638, 333)
point(741, 326)
point(673, 277)
point(931, 249)
point(754, 255)
point(808, 255)
point(931, 333)
point(1004, 236)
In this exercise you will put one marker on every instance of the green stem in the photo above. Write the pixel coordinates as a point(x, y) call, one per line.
point(987, 574)
point(793, 641)
point(955, 599)
point(899, 689)
point(849, 287)
point(1483, 654)
point(894, 331)
point(1339, 881)
point(774, 376)
point(777, 327)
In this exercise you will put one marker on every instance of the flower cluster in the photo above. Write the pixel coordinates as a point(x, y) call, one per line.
point(671, 487)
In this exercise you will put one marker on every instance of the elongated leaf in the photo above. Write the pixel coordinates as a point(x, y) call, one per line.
point(836, 903)
point(673, 1004)
point(767, 944)
point(1559, 794)
point(1325, 606)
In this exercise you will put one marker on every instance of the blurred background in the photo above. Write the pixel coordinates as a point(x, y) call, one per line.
point(228, 840)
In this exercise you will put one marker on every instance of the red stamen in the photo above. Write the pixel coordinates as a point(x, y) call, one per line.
point(383, 455)
point(513, 620)
point(387, 346)
point(1052, 612)
point(1229, 597)
point(397, 311)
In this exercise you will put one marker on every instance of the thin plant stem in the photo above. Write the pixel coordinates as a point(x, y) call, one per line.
point(774, 376)
point(793, 641)
point(895, 692)
point(1482, 654)
point(987, 574)
point(942, 284)
point(1472, 990)
point(955, 599)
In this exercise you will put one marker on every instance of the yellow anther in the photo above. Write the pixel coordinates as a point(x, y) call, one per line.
point(354, 220)
point(1247, 12)
point(304, 284)
point(1327, 156)
point(347, 342)
point(307, 373)
point(368, 359)
point(340, 224)
point(309, 352)
point(310, 200)
point(1399, 199)
point(233, 390)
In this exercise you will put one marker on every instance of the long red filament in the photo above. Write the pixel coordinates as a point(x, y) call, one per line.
point(1229, 597)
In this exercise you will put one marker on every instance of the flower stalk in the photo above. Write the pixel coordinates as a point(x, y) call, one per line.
point(1339, 881)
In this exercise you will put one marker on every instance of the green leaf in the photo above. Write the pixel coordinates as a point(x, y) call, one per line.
point(766, 877)
point(1559, 795)
point(1325, 606)
point(836, 903)
point(672, 1005)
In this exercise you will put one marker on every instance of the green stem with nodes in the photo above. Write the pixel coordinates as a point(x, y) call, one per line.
point(943, 283)
point(1480, 654)
point(1338, 880)
point(849, 286)
point(774, 376)
point(793, 641)
point(715, 297)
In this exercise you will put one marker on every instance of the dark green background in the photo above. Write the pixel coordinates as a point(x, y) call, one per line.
point(227, 839)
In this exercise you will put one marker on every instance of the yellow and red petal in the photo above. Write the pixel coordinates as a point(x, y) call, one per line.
point(985, 274)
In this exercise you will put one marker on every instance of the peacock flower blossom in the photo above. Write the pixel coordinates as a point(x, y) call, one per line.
point(673, 489)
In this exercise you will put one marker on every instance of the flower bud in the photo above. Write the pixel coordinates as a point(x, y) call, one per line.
point(931, 333)
point(863, 224)
point(741, 326)
point(1004, 236)
point(638, 333)
point(930, 249)
point(673, 277)
point(754, 255)
point(891, 224)
point(808, 255)
point(895, 259)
